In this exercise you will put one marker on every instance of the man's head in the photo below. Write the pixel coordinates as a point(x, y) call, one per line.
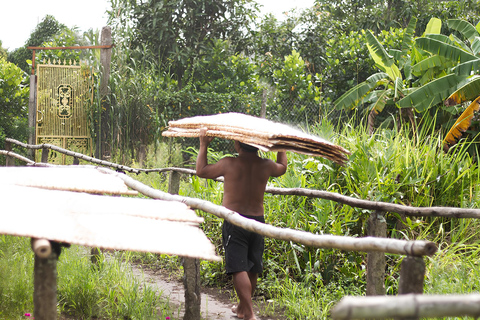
point(247, 147)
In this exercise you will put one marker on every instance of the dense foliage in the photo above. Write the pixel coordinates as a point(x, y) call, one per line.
point(372, 76)
point(13, 102)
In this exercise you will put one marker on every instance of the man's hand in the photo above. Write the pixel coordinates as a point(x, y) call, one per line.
point(204, 139)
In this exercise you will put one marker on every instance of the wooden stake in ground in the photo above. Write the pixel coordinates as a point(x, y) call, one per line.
point(45, 287)
point(376, 263)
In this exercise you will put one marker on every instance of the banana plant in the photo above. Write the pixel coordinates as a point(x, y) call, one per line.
point(384, 87)
point(455, 70)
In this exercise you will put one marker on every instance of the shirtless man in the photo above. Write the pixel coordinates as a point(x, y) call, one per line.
point(245, 180)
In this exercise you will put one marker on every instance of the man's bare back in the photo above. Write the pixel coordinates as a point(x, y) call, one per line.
point(245, 177)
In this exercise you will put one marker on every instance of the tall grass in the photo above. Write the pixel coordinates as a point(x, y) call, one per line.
point(16, 277)
point(108, 290)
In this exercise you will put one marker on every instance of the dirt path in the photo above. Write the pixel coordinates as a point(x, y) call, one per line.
point(215, 304)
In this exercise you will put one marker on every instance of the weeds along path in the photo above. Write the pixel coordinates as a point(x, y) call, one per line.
point(215, 305)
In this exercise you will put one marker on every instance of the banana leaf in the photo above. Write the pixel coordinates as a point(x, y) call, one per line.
point(476, 46)
point(408, 36)
point(464, 27)
point(382, 59)
point(352, 97)
point(467, 68)
point(460, 43)
point(432, 93)
point(441, 37)
point(443, 49)
point(468, 91)
point(429, 63)
point(462, 123)
point(433, 26)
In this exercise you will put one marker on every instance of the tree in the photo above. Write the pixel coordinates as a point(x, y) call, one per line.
point(179, 33)
point(13, 102)
point(3, 51)
point(452, 86)
point(387, 86)
point(44, 31)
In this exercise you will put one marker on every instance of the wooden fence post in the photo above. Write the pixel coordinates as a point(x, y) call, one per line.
point(44, 155)
point(376, 263)
point(9, 161)
point(191, 268)
point(412, 276)
point(191, 282)
point(45, 287)
point(32, 114)
point(103, 126)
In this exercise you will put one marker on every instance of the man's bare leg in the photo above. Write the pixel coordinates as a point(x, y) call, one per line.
point(245, 283)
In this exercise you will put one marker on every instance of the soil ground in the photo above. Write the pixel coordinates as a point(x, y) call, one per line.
point(215, 302)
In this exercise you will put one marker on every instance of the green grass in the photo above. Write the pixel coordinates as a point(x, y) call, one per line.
point(108, 290)
point(16, 277)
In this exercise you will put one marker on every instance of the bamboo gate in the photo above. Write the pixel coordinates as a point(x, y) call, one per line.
point(375, 244)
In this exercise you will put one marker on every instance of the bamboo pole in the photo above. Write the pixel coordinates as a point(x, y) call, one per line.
point(450, 212)
point(407, 306)
point(76, 154)
point(42, 248)
point(394, 246)
point(104, 91)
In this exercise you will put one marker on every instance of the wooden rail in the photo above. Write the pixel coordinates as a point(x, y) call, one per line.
point(407, 306)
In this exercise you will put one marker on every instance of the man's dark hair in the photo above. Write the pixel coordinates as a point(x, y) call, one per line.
point(248, 147)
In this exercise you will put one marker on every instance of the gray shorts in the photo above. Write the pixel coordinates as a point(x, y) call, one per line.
point(243, 249)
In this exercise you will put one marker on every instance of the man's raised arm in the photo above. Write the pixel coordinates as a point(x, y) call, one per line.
point(281, 164)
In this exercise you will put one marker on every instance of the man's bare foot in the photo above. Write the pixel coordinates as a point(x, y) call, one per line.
point(234, 310)
point(239, 315)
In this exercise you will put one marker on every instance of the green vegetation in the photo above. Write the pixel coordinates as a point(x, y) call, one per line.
point(108, 290)
point(384, 79)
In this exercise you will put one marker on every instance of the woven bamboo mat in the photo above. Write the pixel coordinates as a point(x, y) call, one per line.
point(109, 222)
point(262, 133)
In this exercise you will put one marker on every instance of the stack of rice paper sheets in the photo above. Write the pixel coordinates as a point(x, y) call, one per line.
point(264, 134)
point(71, 205)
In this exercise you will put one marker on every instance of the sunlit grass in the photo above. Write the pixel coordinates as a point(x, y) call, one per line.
point(108, 290)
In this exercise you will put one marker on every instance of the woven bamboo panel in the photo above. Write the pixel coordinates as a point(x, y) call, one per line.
point(262, 133)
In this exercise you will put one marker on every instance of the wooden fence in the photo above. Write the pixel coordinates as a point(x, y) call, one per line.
point(376, 244)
